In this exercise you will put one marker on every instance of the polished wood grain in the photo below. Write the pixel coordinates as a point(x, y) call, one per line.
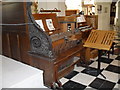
point(65, 21)
point(15, 41)
point(100, 39)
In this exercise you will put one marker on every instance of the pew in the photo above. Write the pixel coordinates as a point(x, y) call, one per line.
point(65, 45)
point(52, 51)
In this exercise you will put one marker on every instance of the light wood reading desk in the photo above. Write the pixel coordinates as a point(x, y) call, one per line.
point(101, 40)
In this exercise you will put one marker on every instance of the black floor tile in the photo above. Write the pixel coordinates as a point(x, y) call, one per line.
point(72, 74)
point(107, 85)
point(106, 60)
point(73, 85)
point(91, 71)
point(118, 81)
point(117, 46)
point(90, 62)
point(97, 83)
point(117, 58)
point(83, 64)
point(102, 84)
point(112, 68)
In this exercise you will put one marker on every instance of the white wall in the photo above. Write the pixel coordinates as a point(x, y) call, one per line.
point(74, 4)
point(104, 15)
point(62, 7)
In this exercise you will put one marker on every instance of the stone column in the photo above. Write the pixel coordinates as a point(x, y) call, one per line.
point(103, 15)
point(117, 18)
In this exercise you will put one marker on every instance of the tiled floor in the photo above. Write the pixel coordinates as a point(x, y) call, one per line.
point(83, 78)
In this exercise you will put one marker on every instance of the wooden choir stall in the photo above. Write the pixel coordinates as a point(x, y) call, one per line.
point(59, 55)
point(48, 48)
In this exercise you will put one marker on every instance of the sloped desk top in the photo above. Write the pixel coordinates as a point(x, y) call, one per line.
point(100, 39)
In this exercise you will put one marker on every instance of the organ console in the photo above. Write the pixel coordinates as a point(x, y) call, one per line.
point(52, 51)
point(64, 46)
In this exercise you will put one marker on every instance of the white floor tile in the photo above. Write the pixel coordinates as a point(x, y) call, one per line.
point(105, 56)
point(63, 80)
point(110, 76)
point(117, 87)
point(76, 58)
point(79, 69)
point(89, 88)
point(115, 62)
point(94, 59)
point(113, 56)
point(83, 79)
point(95, 65)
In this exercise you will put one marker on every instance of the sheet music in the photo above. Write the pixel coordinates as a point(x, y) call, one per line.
point(39, 22)
point(50, 24)
point(81, 19)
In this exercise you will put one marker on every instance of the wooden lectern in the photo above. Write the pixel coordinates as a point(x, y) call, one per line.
point(101, 40)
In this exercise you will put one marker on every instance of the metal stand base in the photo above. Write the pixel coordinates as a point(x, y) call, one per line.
point(98, 70)
point(95, 71)
point(99, 63)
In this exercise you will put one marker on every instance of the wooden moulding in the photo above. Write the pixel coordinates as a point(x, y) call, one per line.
point(67, 18)
point(71, 12)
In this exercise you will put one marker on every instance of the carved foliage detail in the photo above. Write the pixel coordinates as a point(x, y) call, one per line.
point(40, 42)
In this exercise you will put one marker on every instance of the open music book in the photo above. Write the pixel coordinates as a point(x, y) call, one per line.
point(39, 22)
point(81, 19)
point(50, 24)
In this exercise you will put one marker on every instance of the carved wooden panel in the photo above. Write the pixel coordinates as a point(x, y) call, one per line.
point(15, 41)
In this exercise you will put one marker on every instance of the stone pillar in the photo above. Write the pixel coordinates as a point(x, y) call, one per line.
point(103, 15)
point(62, 7)
point(117, 18)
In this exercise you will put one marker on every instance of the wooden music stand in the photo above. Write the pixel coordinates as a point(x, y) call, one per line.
point(101, 40)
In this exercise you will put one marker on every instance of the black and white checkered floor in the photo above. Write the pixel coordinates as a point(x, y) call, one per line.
point(79, 78)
